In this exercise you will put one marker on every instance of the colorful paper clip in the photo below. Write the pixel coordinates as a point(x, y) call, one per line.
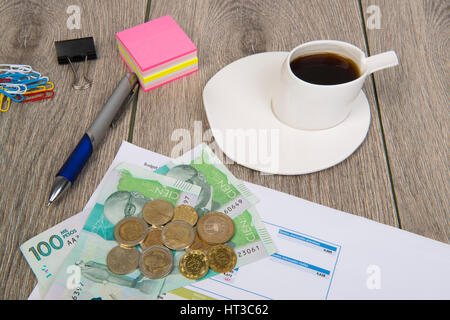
point(20, 83)
point(8, 103)
point(15, 68)
point(15, 96)
point(40, 95)
point(41, 88)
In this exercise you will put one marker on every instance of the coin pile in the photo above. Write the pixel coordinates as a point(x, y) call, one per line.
point(163, 228)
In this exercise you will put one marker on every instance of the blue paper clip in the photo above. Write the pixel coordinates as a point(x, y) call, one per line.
point(15, 96)
point(15, 88)
point(35, 83)
point(25, 78)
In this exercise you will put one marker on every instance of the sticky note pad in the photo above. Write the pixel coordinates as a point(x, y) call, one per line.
point(158, 51)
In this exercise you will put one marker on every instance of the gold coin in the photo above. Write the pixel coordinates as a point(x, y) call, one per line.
point(129, 231)
point(215, 228)
point(157, 212)
point(122, 260)
point(156, 262)
point(221, 258)
point(177, 235)
point(185, 213)
point(152, 238)
point(199, 244)
point(193, 264)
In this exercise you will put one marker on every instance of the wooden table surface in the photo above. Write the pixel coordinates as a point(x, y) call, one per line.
point(399, 176)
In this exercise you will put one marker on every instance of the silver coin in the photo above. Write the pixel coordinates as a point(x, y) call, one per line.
point(177, 235)
point(121, 204)
point(156, 262)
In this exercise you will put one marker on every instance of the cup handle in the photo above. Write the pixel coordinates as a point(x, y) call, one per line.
point(381, 61)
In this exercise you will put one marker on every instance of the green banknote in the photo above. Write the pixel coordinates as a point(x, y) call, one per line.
point(45, 253)
point(217, 190)
point(84, 274)
point(220, 191)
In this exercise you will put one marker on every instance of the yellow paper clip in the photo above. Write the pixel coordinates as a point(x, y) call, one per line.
point(43, 88)
point(8, 103)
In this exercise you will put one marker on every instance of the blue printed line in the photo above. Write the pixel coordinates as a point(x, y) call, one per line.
point(302, 238)
point(311, 237)
point(301, 263)
point(337, 257)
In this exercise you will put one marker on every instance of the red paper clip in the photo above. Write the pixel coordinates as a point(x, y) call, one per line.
point(5, 80)
point(38, 96)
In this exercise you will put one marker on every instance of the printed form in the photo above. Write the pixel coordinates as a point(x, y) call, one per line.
point(301, 261)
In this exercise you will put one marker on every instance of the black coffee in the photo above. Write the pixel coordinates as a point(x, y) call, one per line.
point(325, 69)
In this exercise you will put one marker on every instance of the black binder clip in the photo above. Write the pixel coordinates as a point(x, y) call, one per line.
point(77, 50)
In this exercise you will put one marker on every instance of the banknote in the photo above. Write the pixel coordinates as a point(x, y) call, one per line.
point(45, 253)
point(46, 262)
point(223, 192)
point(218, 190)
point(84, 274)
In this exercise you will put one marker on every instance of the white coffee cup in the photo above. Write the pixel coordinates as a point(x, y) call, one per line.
point(309, 106)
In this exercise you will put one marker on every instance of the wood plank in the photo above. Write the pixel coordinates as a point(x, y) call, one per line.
point(414, 101)
point(36, 138)
point(228, 30)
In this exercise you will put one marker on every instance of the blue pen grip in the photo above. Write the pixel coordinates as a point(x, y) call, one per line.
point(73, 165)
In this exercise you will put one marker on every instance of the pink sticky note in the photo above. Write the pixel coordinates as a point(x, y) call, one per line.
point(163, 80)
point(156, 42)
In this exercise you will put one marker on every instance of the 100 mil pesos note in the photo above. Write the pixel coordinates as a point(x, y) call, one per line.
point(45, 253)
point(84, 274)
point(223, 192)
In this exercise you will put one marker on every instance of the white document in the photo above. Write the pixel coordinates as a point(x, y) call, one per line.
point(328, 254)
point(322, 253)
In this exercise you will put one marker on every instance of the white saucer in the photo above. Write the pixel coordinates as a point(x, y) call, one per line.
point(239, 97)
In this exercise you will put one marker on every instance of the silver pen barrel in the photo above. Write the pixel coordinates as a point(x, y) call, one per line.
point(97, 130)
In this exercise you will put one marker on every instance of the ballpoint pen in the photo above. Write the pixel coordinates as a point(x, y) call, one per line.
point(93, 136)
